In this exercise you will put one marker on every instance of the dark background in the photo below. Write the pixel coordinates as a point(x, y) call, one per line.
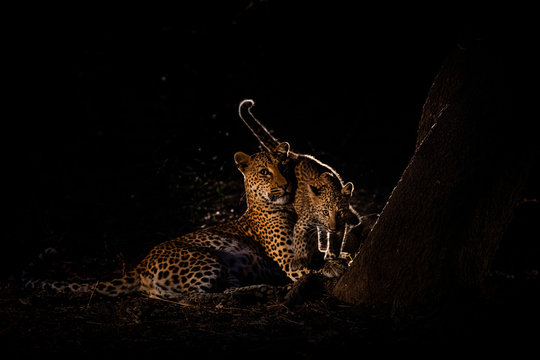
point(121, 128)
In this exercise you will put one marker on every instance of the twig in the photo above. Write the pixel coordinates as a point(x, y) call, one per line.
point(371, 214)
point(170, 301)
point(289, 320)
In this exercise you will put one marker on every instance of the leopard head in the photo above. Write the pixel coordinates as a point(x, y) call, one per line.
point(264, 179)
point(330, 202)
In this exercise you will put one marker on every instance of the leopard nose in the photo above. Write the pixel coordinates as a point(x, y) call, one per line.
point(332, 224)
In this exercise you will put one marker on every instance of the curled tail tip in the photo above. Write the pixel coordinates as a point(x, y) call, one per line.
point(246, 102)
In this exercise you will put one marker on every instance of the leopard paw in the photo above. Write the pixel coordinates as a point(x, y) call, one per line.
point(298, 263)
point(334, 268)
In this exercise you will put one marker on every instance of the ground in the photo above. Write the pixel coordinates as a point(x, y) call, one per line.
point(90, 326)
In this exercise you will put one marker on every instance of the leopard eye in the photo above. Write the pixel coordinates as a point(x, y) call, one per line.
point(325, 212)
point(264, 172)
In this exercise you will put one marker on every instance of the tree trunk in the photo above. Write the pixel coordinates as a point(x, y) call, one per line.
point(441, 226)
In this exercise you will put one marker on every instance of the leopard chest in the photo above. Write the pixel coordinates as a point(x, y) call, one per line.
point(274, 231)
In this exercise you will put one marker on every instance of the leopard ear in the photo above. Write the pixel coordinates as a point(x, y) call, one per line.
point(347, 189)
point(326, 178)
point(315, 191)
point(242, 160)
point(282, 150)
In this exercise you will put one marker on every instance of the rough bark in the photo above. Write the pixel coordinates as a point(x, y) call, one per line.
point(441, 226)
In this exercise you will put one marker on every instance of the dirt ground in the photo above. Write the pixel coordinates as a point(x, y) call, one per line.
point(136, 325)
point(88, 326)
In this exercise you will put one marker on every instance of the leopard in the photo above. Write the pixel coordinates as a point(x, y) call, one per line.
point(322, 206)
point(307, 170)
point(254, 249)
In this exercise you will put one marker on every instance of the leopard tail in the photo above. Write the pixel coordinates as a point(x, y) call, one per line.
point(126, 284)
point(259, 130)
